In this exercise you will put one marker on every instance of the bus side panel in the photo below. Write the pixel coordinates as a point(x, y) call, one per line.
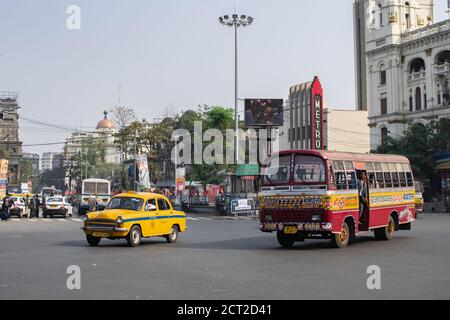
point(337, 219)
point(379, 217)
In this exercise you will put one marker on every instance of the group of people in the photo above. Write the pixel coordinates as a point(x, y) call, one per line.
point(32, 203)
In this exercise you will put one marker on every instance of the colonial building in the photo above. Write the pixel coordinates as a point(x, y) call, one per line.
point(309, 124)
point(9, 135)
point(402, 65)
point(105, 130)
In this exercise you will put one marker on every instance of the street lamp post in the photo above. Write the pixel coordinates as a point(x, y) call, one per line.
point(235, 21)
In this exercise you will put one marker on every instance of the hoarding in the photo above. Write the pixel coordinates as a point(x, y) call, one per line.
point(142, 167)
point(264, 112)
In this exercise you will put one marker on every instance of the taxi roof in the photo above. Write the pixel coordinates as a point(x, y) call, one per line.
point(143, 195)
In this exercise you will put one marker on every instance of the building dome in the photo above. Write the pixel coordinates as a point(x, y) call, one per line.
point(105, 123)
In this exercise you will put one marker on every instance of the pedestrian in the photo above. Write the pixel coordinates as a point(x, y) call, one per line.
point(33, 207)
point(6, 207)
point(362, 192)
point(38, 205)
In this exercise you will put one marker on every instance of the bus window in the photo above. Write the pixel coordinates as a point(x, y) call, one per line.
point(401, 175)
point(380, 179)
point(394, 175)
point(371, 175)
point(102, 188)
point(409, 179)
point(351, 179)
point(331, 176)
point(89, 187)
point(278, 173)
point(349, 166)
point(341, 181)
point(338, 166)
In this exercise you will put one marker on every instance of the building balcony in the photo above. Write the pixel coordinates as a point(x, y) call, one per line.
point(417, 76)
point(426, 31)
point(440, 69)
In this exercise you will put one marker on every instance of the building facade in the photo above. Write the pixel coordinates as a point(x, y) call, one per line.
point(9, 135)
point(34, 159)
point(309, 124)
point(52, 160)
point(407, 65)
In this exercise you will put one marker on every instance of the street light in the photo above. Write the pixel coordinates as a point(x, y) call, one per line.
point(235, 21)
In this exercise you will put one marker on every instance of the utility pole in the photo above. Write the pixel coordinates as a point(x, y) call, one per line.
point(135, 161)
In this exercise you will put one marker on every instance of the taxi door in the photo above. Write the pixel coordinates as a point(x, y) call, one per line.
point(151, 214)
point(164, 213)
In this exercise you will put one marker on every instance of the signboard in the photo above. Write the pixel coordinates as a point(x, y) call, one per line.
point(247, 170)
point(242, 205)
point(317, 115)
point(24, 188)
point(3, 177)
point(263, 112)
point(3, 168)
point(142, 169)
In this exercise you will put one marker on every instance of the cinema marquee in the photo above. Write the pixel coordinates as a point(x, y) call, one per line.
point(317, 115)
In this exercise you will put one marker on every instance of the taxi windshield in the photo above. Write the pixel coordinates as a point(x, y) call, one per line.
point(126, 203)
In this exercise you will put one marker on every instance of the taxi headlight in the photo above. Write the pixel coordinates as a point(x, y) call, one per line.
point(119, 220)
point(85, 219)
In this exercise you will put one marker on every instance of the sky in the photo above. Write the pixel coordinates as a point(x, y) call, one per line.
point(166, 55)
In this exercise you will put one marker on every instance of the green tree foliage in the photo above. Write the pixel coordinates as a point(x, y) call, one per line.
point(421, 144)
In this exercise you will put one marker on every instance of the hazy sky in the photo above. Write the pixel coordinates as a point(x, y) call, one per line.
point(167, 53)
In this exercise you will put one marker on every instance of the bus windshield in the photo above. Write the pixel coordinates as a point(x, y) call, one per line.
point(278, 172)
point(306, 169)
point(309, 169)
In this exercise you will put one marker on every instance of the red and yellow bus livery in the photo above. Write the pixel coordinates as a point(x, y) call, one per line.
point(316, 194)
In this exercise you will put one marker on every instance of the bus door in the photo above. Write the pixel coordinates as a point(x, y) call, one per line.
point(363, 196)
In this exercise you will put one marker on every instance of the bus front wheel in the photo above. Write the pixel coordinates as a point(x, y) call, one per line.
point(285, 240)
point(341, 240)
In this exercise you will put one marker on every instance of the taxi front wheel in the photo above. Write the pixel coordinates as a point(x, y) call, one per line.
point(172, 237)
point(93, 241)
point(134, 237)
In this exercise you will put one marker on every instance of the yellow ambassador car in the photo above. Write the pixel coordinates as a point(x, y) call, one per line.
point(133, 216)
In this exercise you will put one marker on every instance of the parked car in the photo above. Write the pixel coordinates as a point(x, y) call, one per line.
point(19, 208)
point(57, 206)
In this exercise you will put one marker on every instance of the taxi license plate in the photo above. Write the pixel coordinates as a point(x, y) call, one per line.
point(100, 234)
point(53, 206)
point(290, 229)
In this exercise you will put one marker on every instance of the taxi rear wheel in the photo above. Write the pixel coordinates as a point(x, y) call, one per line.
point(134, 237)
point(93, 241)
point(172, 237)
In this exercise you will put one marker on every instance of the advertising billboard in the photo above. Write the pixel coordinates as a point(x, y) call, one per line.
point(263, 112)
point(3, 177)
point(142, 167)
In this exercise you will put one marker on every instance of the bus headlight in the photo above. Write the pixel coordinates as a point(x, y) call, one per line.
point(315, 217)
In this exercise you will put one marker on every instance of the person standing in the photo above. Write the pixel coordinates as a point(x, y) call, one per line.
point(7, 205)
point(33, 207)
point(362, 192)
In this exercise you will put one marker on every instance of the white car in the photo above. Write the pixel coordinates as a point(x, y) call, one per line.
point(57, 206)
point(19, 208)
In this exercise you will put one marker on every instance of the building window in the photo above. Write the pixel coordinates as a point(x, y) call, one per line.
point(383, 105)
point(416, 65)
point(384, 135)
point(382, 76)
point(418, 99)
point(411, 106)
point(425, 101)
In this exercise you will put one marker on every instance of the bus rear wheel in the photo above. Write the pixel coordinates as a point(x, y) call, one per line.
point(341, 240)
point(285, 240)
point(385, 233)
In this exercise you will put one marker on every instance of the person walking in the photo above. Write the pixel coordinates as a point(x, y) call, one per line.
point(33, 207)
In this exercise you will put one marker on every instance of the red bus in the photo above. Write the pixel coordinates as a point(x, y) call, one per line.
point(310, 194)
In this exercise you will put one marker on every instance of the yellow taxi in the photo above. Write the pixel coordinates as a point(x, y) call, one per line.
point(133, 216)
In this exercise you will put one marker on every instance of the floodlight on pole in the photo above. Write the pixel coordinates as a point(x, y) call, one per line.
point(235, 21)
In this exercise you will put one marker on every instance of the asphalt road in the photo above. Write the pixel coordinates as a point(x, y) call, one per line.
point(221, 259)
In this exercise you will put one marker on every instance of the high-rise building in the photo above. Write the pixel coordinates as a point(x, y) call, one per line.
point(52, 160)
point(310, 124)
point(404, 64)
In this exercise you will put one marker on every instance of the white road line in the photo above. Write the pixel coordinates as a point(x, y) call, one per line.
point(202, 218)
point(62, 220)
point(194, 219)
point(15, 220)
point(74, 219)
point(47, 220)
point(32, 220)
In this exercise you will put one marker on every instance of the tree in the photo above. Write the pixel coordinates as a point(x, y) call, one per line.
point(421, 144)
point(122, 116)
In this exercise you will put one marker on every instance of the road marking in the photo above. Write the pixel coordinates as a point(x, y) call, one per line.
point(15, 220)
point(194, 219)
point(203, 218)
point(74, 219)
point(46, 220)
point(62, 220)
point(32, 220)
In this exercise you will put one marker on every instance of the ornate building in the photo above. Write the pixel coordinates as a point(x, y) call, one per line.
point(402, 65)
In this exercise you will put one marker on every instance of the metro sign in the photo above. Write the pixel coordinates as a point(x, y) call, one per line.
point(317, 115)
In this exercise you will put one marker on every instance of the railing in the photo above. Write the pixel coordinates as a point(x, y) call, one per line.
point(417, 75)
point(427, 31)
